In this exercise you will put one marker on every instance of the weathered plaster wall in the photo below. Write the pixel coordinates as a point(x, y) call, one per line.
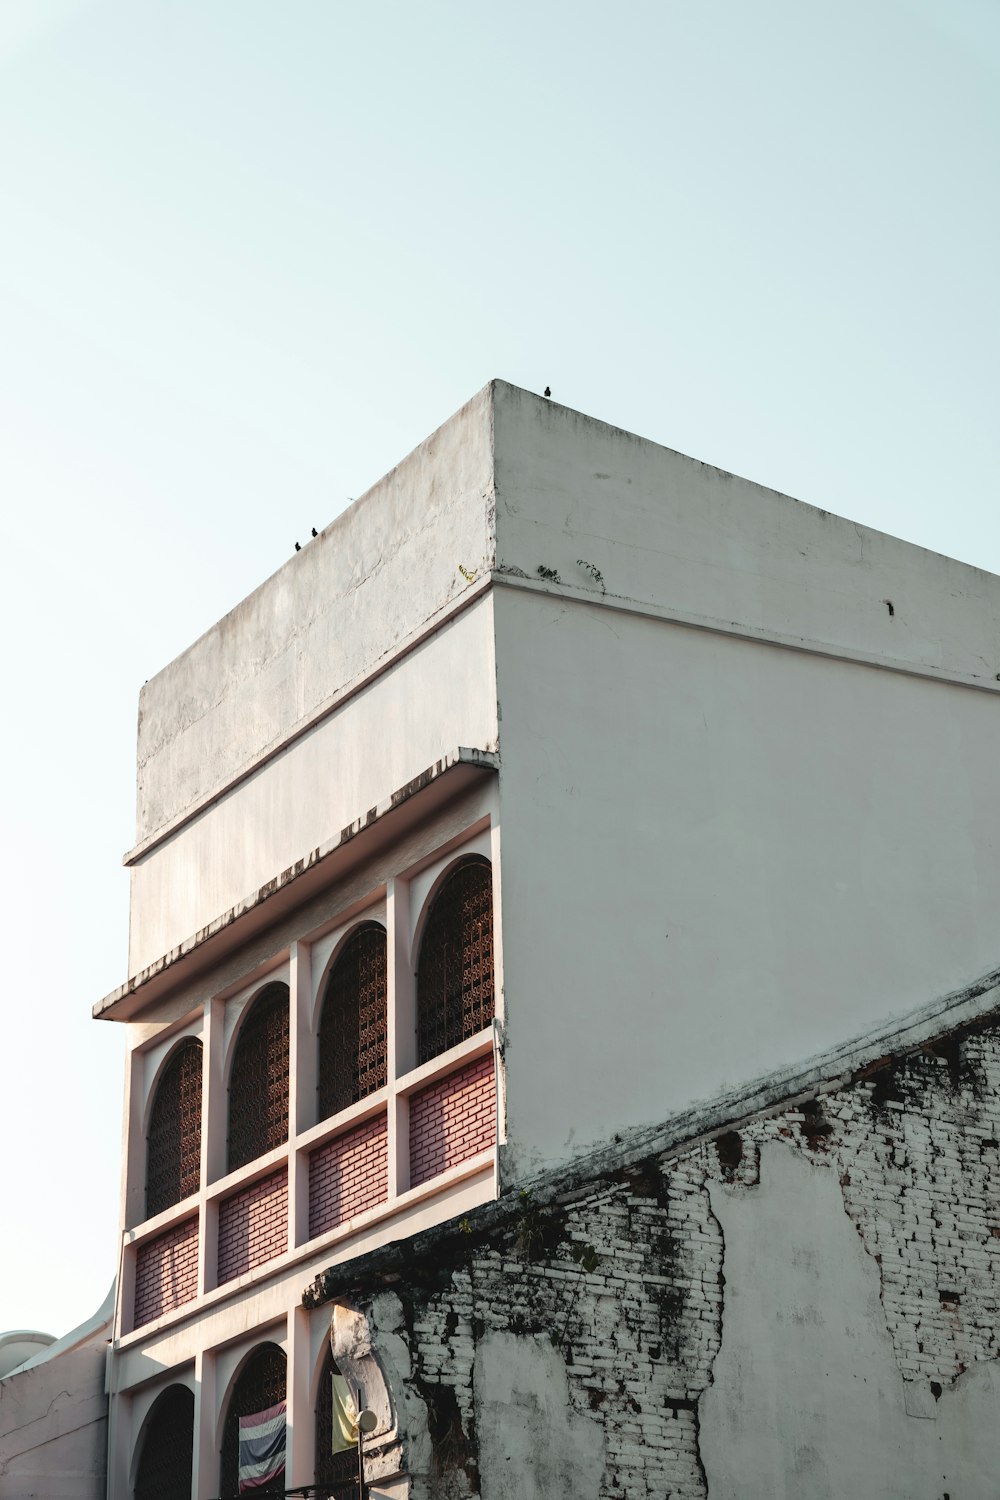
point(805, 1305)
point(627, 520)
point(439, 697)
point(730, 857)
point(323, 622)
point(53, 1419)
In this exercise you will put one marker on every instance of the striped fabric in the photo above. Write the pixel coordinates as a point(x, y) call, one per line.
point(262, 1448)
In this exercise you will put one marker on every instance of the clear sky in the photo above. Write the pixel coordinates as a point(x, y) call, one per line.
point(252, 251)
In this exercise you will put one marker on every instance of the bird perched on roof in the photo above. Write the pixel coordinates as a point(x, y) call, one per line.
point(298, 547)
point(548, 391)
point(315, 532)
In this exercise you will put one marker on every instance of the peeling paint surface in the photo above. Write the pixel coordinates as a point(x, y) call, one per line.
point(802, 1305)
point(532, 1443)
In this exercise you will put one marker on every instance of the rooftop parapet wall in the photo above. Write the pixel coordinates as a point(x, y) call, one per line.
point(567, 500)
point(328, 619)
point(630, 521)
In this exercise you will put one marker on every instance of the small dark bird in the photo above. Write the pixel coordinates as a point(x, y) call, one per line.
point(548, 391)
point(298, 547)
point(315, 532)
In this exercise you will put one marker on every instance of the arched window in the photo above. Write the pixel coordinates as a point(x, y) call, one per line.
point(260, 1384)
point(173, 1146)
point(336, 1472)
point(455, 972)
point(258, 1081)
point(167, 1447)
point(352, 1028)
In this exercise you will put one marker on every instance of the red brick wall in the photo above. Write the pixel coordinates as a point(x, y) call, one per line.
point(253, 1225)
point(452, 1119)
point(166, 1272)
point(348, 1175)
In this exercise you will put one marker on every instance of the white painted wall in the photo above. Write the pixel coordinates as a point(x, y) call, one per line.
point(720, 858)
point(437, 698)
point(667, 531)
point(370, 583)
point(806, 1395)
point(720, 855)
point(53, 1418)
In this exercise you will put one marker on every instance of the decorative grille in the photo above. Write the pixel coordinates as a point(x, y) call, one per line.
point(258, 1083)
point(173, 1146)
point(352, 1031)
point(455, 972)
point(167, 1448)
point(260, 1385)
point(336, 1474)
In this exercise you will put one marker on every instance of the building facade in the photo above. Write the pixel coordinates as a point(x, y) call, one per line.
point(554, 858)
point(54, 1411)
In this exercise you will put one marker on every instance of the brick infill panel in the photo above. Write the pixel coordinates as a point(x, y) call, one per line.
point(452, 1120)
point(253, 1225)
point(348, 1175)
point(166, 1272)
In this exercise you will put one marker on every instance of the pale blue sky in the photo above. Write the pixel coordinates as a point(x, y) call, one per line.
point(251, 253)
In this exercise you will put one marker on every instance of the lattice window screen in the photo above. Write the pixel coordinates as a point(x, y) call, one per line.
point(455, 972)
point(173, 1146)
point(258, 1082)
point(167, 1448)
point(352, 1032)
point(261, 1384)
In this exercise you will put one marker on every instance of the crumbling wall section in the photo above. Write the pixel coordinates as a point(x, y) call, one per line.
point(620, 1280)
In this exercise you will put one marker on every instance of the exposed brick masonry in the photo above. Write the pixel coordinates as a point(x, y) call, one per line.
point(166, 1272)
point(348, 1175)
point(915, 1147)
point(452, 1120)
point(253, 1225)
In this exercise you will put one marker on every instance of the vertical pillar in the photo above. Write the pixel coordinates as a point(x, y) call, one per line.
point(119, 1441)
point(499, 1033)
point(205, 1464)
point(401, 1040)
point(214, 1124)
point(301, 1434)
point(133, 1187)
point(301, 1088)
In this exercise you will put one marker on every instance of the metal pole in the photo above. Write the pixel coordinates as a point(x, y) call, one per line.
point(362, 1493)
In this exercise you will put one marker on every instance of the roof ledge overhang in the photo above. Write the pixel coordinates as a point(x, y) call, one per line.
point(420, 798)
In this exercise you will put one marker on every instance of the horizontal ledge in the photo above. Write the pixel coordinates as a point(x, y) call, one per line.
point(293, 885)
point(759, 633)
point(374, 1220)
point(440, 617)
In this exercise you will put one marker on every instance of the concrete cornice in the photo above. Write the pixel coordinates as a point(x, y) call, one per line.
point(515, 579)
point(301, 727)
point(293, 885)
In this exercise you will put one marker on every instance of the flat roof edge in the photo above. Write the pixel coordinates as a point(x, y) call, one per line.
point(331, 705)
point(123, 1003)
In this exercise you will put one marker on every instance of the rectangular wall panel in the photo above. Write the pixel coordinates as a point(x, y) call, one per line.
point(452, 1120)
point(166, 1272)
point(348, 1175)
point(253, 1225)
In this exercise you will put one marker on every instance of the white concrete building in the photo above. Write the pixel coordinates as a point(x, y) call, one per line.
point(564, 801)
point(53, 1411)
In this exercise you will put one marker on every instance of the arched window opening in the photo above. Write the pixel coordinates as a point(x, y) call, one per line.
point(352, 1029)
point(167, 1448)
point(455, 972)
point(173, 1145)
point(258, 1082)
point(336, 1473)
point(259, 1386)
